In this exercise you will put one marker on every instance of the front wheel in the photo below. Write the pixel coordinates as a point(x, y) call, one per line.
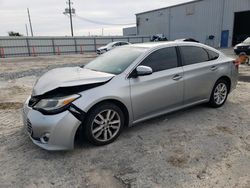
point(104, 124)
point(219, 93)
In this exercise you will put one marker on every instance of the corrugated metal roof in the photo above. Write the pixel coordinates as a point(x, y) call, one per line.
point(185, 3)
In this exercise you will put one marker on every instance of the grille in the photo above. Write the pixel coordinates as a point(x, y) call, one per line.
point(29, 126)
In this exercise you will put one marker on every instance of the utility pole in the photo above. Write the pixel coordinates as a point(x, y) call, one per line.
point(27, 32)
point(70, 11)
point(31, 30)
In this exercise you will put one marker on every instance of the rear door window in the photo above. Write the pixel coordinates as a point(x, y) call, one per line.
point(212, 55)
point(162, 59)
point(193, 55)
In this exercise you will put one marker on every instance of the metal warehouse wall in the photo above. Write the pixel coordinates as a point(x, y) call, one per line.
point(34, 46)
point(197, 20)
point(156, 22)
point(203, 21)
point(232, 6)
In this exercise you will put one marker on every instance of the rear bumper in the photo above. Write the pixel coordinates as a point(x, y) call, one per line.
point(59, 128)
point(234, 77)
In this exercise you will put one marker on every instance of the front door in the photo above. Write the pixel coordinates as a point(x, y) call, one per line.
point(161, 91)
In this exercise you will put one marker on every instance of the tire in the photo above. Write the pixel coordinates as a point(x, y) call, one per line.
point(218, 97)
point(103, 124)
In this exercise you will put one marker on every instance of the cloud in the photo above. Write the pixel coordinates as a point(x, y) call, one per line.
point(47, 17)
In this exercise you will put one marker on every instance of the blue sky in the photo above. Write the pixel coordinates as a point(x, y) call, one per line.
point(48, 20)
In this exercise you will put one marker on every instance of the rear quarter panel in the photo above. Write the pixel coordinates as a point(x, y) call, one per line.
point(228, 69)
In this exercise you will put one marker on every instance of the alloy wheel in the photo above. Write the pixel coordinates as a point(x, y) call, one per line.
point(220, 93)
point(106, 125)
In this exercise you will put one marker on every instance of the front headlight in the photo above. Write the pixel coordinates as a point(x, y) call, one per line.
point(55, 105)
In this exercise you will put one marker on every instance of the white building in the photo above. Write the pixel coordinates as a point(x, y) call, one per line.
point(226, 21)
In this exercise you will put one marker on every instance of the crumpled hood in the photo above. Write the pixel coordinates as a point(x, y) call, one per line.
point(68, 77)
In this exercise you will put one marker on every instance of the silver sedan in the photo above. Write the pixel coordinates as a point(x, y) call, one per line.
point(122, 87)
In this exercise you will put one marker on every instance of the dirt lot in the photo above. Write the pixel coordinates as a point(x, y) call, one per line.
point(197, 147)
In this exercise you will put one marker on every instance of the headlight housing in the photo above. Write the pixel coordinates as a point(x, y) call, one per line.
point(56, 104)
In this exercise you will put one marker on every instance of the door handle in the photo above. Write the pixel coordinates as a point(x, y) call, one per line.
point(177, 77)
point(213, 68)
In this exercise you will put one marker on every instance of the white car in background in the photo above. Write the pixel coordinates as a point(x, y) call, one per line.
point(111, 46)
point(243, 47)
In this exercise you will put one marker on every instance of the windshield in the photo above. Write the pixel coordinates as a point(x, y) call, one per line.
point(247, 40)
point(115, 61)
point(110, 44)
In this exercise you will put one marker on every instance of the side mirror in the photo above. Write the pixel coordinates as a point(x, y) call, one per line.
point(143, 70)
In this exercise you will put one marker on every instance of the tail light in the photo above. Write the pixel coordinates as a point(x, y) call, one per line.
point(236, 63)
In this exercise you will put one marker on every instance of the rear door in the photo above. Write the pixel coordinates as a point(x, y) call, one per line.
point(199, 73)
point(160, 91)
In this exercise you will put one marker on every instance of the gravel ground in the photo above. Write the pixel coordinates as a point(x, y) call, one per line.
point(196, 147)
point(36, 66)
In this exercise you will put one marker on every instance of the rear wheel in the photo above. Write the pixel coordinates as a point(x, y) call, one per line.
point(219, 93)
point(104, 124)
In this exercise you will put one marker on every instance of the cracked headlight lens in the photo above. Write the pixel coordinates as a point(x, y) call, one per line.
point(55, 104)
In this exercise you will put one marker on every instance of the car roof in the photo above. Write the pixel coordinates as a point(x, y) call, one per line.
point(181, 39)
point(151, 44)
point(117, 42)
point(248, 38)
point(112, 42)
point(154, 45)
point(166, 43)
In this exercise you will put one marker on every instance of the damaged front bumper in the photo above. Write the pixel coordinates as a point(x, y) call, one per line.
point(52, 132)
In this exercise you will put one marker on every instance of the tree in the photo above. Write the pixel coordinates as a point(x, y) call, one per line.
point(14, 34)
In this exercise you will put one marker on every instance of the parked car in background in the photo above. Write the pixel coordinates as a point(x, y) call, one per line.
point(240, 39)
point(122, 87)
point(158, 37)
point(111, 46)
point(187, 40)
point(243, 47)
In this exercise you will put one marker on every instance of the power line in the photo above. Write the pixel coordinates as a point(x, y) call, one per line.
point(102, 23)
